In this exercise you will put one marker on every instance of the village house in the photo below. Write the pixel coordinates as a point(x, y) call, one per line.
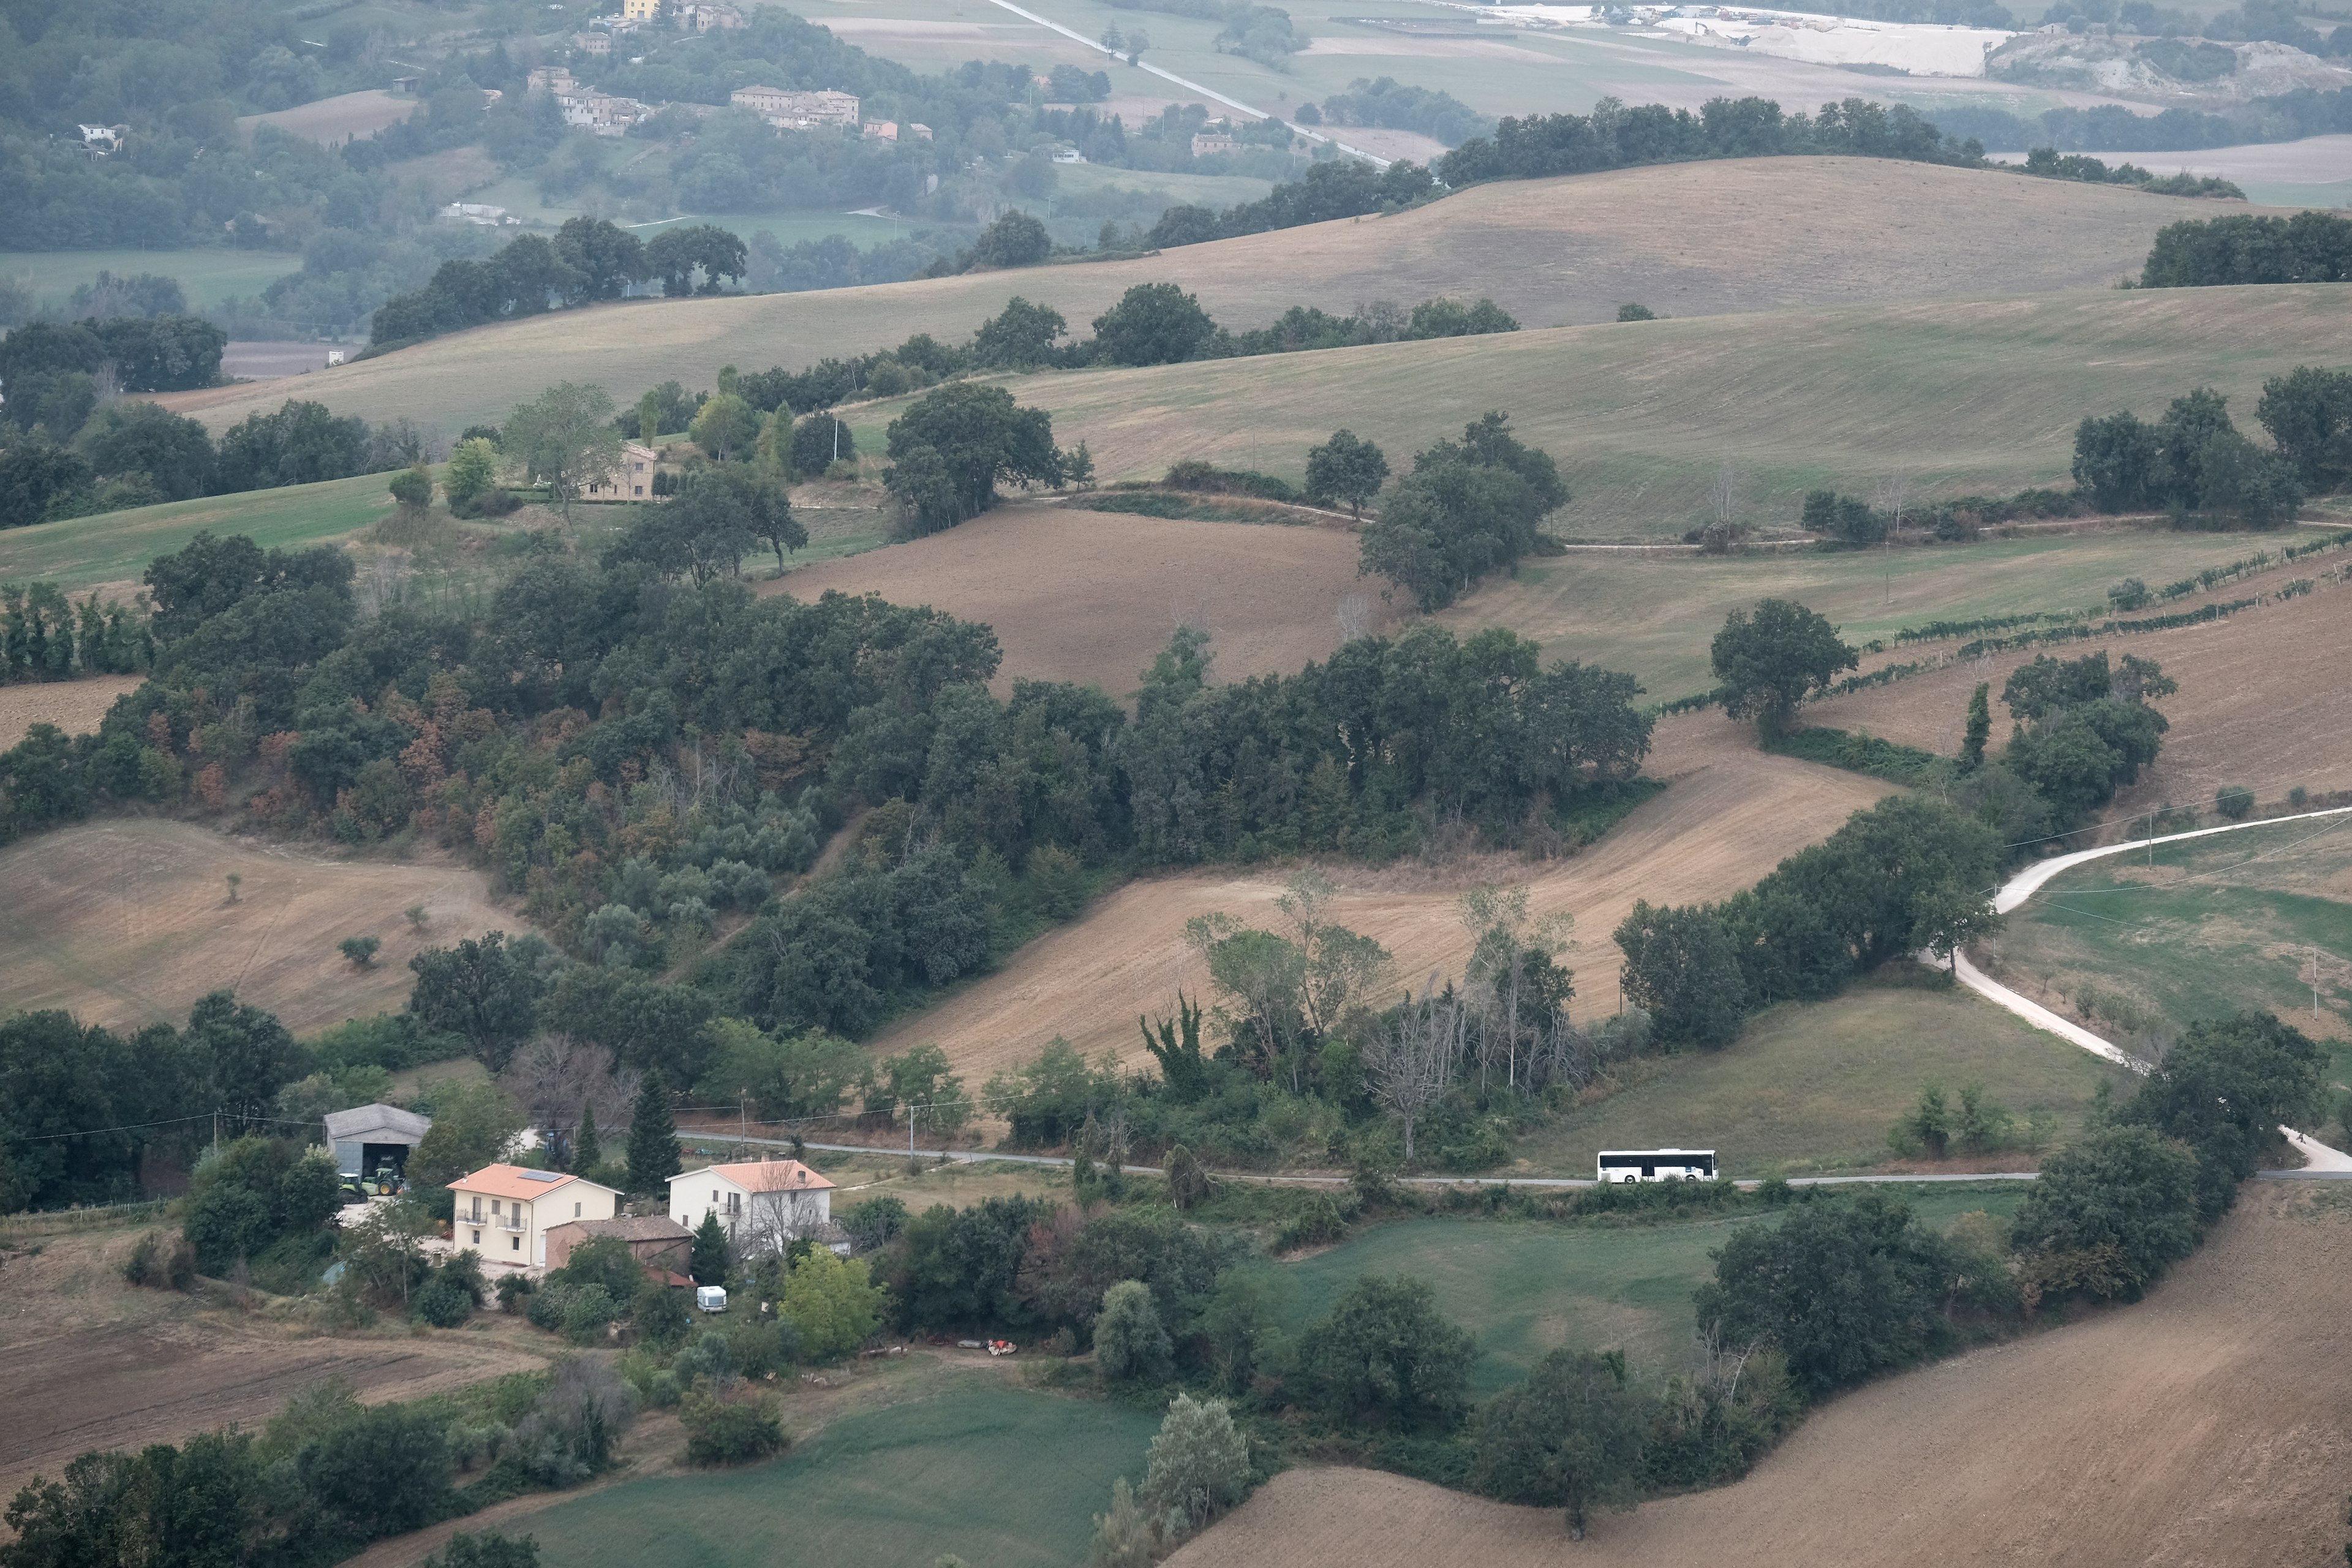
point(656, 1241)
point(764, 1205)
point(705, 18)
point(632, 480)
point(593, 43)
point(1205, 142)
point(640, 10)
point(788, 110)
point(504, 1213)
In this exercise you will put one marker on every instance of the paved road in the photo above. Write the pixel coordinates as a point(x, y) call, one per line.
point(2322, 1163)
point(976, 1156)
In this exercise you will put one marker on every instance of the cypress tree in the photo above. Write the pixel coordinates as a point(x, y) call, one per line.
point(708, 1260)
point(653, 1138)
point(587, 1153)
point(1972, 744)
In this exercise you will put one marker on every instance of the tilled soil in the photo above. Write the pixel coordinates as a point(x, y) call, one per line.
point(1730, 815)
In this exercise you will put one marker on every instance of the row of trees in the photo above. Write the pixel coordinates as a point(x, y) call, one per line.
point(44, 635)
point(2196, 460)
point(88, 456)
point(588, 259)
point(2312, 246)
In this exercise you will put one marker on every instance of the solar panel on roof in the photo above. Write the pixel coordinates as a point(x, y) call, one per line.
point(543, 1175)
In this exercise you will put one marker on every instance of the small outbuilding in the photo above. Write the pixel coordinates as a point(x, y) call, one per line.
point(655, 1240)
point(367, 1138)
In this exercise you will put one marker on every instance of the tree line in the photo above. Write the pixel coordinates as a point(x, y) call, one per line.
point(90, 457)
point(2312, 246)
point(2194, 462)
point(589, 260)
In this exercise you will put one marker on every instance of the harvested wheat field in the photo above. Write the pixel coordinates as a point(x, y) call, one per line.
point(73, 706)
point(87, 1362)
point(2262, 703)
point(129, 921)
point(1690, 240)
point(2202, 1427)
point(1948, 396)
point(1731, 815)
point(1091, 596)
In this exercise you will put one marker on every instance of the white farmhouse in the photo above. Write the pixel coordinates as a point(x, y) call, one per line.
point(764, 1205)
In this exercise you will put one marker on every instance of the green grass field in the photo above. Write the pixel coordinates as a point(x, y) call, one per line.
point(998, 1477)
point(1813, 1087)
point(206, 277)
point(116, 546)
point(2213, 926)
point(1524, 1287)
point(1641, 613)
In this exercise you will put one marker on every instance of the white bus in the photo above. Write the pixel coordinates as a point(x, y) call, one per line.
point(1657, 1165)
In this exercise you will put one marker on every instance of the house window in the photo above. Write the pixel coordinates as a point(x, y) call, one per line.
point(515, 1243)
point(478, 1238)
point(575, 1211)
point(494, 1207)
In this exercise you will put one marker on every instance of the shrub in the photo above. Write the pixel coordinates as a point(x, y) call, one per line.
point(874, 1223)
point(1199, 1464)
point(445, 1302)
point(2110, 1211)
point(361, 950)
point(722, 1432)
point(831, 1304)
point(1385, 1358)
point(162, 1263)
point(1130, 1344)
point(2235, 802)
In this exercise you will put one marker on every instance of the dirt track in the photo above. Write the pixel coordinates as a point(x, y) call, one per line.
point(2203, 1426)
point(2262, 703)
point(1091, 596)
point(1731, 815)
point(128, 922)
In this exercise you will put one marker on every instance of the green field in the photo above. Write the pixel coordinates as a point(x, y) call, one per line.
point(1813, 1087)
point(1637, 611)
point(998, 1477)
point(2212, 926)
point(1643, 419)
point(206, 277)
point(1524, 1287)
point(115, 547)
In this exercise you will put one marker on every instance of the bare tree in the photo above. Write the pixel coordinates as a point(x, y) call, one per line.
point(771, 1221)
point(1501, 975)
point(1413, 1061)
point(1355, 617)
point(1726, 493)
point(555, 1077)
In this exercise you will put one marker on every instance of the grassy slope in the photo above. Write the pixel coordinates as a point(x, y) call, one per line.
point(2216, 925)
point(1953, 397)
point(1814, 1086)
point(1651, 614)
point(1002, 1478)
point(1523, 1287)
point(1693, 239)
point(115, 547)
point(206, 276)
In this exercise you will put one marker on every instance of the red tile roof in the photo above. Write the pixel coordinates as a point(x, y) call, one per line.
point(517, 1182)
point(765, 1176)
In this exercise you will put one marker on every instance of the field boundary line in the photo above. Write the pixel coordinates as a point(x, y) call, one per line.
point(2324, 1163)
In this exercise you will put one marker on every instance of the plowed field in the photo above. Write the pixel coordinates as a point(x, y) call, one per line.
point(1731, 815)
point(2262, 703)
point(2203, 1426)
point(1090, 596)
point(129, 921)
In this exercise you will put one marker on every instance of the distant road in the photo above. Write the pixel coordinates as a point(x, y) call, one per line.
point(1071, 33)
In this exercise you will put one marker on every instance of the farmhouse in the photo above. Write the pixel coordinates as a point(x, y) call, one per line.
point(367, 1138)
point(657, 1240)
point(788, 110)
point(632, 480)
point(763, 1204)
point(504, 1212)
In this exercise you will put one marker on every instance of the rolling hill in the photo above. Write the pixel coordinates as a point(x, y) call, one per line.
point(1951, 396)
point(2200, 1426)
point(1686, 238)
